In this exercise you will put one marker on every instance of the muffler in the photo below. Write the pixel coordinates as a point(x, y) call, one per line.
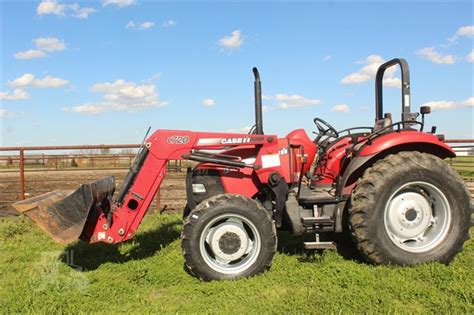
point(63, 214)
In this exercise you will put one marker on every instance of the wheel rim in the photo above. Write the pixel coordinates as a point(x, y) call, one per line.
point(230, 243)
point(417, 217)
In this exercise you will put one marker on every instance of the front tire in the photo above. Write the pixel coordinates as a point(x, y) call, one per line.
point(228, 237)
point(410, 208)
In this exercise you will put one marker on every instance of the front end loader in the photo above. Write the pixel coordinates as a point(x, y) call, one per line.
point(386, 185)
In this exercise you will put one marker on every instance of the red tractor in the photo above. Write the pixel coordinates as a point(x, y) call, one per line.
point(387, 185)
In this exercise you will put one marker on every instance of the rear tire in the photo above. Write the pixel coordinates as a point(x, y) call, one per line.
point(410, 208)
point(228, 237)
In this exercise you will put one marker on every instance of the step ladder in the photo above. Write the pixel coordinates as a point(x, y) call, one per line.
point(317, 244)
point(320, 223)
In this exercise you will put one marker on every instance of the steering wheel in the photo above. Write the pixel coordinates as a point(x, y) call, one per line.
point(324, 129)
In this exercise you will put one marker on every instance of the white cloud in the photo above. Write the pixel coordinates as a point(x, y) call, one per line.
point(53, 7)
point(432, 55)
point(368, 71)
point(169, 23)
point(447, 105)
point(356, 78)
point(470, 56)
point(91, 109)
point(119, 96)
point(232, 42)
point(146, 25)
point(467, 30)
point(23, 81)
point(463, 31)
point(81, 13)
point(50, 7)
point(392, 82)
point(43, 45)
point(18, 94)
point(285, 101)
point(29, 54)
point(119, 3)
point(49, 44)
point(28, 80)
point(143, 26)
point(153, 78)
point(208, 102)
point(49, 82)
point(341, 108)
point(327, 58)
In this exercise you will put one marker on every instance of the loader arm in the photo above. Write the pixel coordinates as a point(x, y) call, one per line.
point(139, 188)
point(93, 215)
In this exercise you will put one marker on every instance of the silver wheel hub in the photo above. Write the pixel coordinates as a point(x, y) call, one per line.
point(230, 243)
point(409, 214)
point(417, 217)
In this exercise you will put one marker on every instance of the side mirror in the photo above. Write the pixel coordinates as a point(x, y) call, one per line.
point(425, 110)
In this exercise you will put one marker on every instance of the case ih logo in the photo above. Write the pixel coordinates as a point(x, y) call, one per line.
point(178, 140)
point(226, 141)
point(235, 140)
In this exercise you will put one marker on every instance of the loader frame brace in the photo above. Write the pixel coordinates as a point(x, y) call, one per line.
point(149, 169)
point(132, 174)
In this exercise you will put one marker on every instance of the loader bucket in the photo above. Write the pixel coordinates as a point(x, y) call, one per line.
point(64, 213)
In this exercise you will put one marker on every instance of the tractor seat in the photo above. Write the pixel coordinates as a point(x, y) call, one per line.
point(384, 123)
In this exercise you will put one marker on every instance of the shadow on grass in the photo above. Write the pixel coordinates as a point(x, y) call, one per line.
point(146, 244)
point(294, 245)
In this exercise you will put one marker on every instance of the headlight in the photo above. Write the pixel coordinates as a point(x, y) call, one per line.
point(199, 188)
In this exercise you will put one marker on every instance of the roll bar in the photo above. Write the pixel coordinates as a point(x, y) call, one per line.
point(407, 115)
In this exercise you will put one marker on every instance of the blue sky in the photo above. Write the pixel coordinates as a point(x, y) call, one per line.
point(103, 71)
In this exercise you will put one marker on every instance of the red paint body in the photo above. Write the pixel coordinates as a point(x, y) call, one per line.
point(266, 153)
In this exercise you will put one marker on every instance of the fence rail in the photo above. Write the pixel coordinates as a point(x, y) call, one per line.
point(102, 158)
point(464, 161)
point(29, 171)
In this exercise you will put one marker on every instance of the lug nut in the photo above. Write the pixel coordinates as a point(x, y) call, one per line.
point(104, 226)
point(121, 231)
point(110, 239)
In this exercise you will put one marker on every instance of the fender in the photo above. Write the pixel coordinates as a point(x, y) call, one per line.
point(368, 152)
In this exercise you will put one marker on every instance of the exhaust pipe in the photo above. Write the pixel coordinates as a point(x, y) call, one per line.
point(258, 102)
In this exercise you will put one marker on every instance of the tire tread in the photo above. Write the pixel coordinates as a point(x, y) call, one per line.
point(364, 195)
point(192, 265)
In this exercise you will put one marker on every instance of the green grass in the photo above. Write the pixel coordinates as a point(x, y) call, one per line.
point(147, 275)
point(464, 165)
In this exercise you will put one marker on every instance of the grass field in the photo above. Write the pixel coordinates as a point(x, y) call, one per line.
point(464, 165)
point(147, 275)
